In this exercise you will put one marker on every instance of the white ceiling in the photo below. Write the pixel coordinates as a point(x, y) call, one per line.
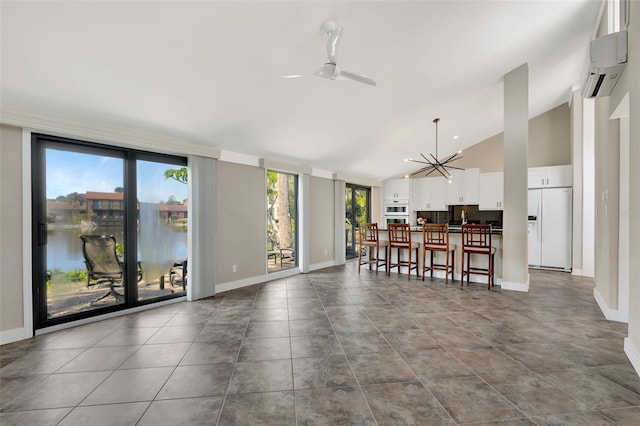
point(207, 72)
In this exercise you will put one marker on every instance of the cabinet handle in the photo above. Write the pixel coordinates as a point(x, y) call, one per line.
point(547, 181)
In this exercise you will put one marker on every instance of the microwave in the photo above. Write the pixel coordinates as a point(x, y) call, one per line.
point(396, 208)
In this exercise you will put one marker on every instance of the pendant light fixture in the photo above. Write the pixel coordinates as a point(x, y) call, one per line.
point(436, 165)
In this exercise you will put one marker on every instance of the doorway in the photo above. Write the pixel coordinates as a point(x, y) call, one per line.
point(358, 211)
point(109, 228)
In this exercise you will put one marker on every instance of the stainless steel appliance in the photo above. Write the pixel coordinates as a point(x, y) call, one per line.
point(396, 219)
point(396, 207)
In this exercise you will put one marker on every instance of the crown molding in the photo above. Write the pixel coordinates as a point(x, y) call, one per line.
point(94, 132)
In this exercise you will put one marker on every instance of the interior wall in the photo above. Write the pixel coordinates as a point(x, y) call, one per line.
point(11, 244)
point(322, 224)
point(549, 144)
point(241, 229)
point(576, 154)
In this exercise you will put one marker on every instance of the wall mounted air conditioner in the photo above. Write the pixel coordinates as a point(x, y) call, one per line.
point(608, 55)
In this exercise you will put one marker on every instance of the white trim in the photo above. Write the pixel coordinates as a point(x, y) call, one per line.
point(322, 265)
point(13, 335)
point(357, 180)
point(304, 223)
point(506, 285)
point(239, 158)
point(27, 255)
point(280, 166)
point(577, 272)
point(326, 174)
point(109, 315)
point(610, 314)
point(258, 279)
point(103, 133)
point(633, 354)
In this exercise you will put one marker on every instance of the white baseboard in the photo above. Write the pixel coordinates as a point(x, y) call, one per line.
point(322, 265)
point(610, 314)
point(633, 354)
point(13, 335)
point(577, 272)
point(514, 286)
point(258, 279)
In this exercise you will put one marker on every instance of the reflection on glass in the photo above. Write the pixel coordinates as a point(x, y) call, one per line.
point(281, 220)
point(162, 228)
point(357, 212)
point(84, 199)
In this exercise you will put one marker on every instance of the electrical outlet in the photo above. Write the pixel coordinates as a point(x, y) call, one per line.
point(234, 268)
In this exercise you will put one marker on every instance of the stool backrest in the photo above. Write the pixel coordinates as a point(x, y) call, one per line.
point(476, 236)
point(399, 234)
point(369, 232)
point(435, 234)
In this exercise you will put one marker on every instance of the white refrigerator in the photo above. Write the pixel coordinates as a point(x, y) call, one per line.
point(550, 227)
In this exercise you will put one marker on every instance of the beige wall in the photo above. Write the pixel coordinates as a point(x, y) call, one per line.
point(11, 304)
point(321, 216)
point(241, 222)
point(549, 144)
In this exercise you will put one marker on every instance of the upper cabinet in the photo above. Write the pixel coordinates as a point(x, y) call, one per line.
point(397, 189)
point(463, 188)
point(491, 191)
point(550, 177)
point(428, 194)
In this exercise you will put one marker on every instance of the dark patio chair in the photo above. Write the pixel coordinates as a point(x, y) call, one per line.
point(103, 265)
point(178, 274)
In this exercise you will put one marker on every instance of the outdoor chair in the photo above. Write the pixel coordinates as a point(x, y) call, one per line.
point(178, 274)
point(103, 265)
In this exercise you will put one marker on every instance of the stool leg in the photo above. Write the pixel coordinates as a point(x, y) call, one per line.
point(446, 269)
point(462, 270)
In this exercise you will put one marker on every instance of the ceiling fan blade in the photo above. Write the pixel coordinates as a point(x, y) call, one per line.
point(328, 70)
point(333, 43)
point(292, 76)
point(356, 77)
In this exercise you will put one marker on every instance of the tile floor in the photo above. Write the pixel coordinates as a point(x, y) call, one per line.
point(332, 347)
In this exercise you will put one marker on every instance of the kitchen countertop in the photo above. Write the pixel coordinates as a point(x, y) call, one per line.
point(453, 230)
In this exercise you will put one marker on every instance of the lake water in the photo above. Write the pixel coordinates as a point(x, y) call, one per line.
point(159, 246)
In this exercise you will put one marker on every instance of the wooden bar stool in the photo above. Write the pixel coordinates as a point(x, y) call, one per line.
point(476, 239)
point(435, 238)
point(400, 238)
point(369, 240)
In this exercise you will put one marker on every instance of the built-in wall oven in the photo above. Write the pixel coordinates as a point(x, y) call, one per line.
point(396, 207)
point(396, 219)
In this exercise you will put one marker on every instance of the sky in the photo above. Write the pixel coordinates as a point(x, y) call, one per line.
point(69, 172)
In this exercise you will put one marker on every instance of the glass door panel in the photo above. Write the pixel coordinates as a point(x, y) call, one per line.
point(357, 201)
point(162, 229)
point(282, 214)
point(83, 252)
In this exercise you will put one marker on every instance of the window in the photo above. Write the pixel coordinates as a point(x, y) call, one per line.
point(282, 219)
point(357, 209)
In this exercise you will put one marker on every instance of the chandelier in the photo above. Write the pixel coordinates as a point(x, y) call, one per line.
point(434, 165)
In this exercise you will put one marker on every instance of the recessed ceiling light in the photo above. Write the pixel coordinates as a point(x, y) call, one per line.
point(455, 137)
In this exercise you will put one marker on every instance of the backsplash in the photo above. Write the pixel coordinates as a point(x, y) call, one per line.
point(454, 216)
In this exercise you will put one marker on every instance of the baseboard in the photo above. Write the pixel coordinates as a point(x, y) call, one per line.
point(258, 279)
point(610, 314)
point(322, 265)
point(576, 272)
point(514, 286)
point(13, 335)
point(633, 354)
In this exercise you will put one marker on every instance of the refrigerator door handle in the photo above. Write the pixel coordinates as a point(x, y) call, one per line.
point(538, 227)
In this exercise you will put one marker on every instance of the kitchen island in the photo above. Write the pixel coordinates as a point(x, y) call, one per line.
point(455, 238)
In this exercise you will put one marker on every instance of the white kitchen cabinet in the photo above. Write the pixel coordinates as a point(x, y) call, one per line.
point(550, 177)
point(428, 194)
point(397, 189)
point(463, 188)
point(491, 191)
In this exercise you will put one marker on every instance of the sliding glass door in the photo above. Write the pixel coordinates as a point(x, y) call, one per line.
point(282, 219)
point(108, 227)
point(357, 207)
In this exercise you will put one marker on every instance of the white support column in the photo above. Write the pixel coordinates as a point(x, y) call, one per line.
point(340, 214)
point(516, 138)
point(588, 188)
point(202, 227)
point(576, 160)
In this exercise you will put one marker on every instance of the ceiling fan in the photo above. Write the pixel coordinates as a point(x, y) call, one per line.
point(330, 69)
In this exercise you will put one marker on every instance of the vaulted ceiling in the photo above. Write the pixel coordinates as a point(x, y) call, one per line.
point(207, 72)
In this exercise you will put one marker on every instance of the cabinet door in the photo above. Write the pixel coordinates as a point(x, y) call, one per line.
point(437, 192)
point(397, 188)
point(558, 176)
point(455, 188)
point(536, 177)
point(419, 194)
point(470, 186)
point(488, 198)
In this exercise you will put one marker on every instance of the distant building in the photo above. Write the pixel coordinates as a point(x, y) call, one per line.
point(64, 211)
point(105, 207)
point(172, 211)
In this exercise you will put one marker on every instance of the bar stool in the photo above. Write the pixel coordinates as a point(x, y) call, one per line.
point(369, 240)
point(476, 239)
point(435, 238)
point(400, 238)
